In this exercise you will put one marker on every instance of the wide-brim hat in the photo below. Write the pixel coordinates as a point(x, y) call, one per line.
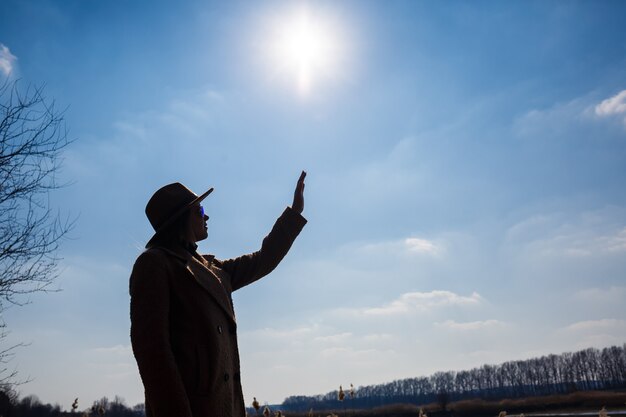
point(167, 204)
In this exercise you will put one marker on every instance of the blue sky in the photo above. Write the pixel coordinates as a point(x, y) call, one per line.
point(465, 192)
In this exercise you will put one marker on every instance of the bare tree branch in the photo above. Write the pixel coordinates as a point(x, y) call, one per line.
point(32, 137)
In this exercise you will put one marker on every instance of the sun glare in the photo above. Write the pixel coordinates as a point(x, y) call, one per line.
point(305, 49)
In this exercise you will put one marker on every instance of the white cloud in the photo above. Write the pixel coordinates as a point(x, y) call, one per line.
point(122, 350)
point(613, 107)
point(530, 226)
point(553, 121)
point(112, 360)
point(7, 60)
point(378, 337)
point(417, 245)
point(564, 118)
point(127, 129)
point(334, 338)
point(269, 333)
point(602, 296)
point(584, 242)
point(616, 242)
point(471, 325)
point(594, 333)
point(597, 325)
point(581, 235)
point(422, 302)
point(187, 118)
point(355, 355)
point(317, 337)
point(408, 246)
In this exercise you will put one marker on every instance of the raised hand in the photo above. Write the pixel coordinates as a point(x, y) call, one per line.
point(298, 195)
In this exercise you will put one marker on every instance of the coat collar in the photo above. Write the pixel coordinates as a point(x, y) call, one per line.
point(200, 269)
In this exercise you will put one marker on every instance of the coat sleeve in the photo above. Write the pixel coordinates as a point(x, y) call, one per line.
point(249, 268)
point(150, 338)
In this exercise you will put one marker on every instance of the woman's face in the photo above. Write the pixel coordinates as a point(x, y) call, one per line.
point(197, 223)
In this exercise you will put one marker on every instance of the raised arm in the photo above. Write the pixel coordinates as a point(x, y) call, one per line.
point(249, 268)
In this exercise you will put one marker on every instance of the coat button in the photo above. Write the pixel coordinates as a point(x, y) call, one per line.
point(226, 377)
point(219, 329)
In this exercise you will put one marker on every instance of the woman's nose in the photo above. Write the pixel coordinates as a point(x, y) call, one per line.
point(206, 217)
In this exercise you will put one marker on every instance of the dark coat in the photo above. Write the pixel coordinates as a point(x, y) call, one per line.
point(183, 328)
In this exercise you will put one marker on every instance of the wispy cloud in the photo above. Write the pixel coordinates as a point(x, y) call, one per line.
point(421, 302)
point(613, 107)
point(616, 242)
point(583, 243)
point(582, 235)
point(552, 121)
point(595, 325)
point(408, 246)
point(594, 333)
point(565, 118)
point(333, 338)
point(189, 117)
point(470, 325)
point(316, 337)
point(612, 295)
point(123, 350)
point(285, 334)
point(417, 245)
point(7, 60)
point(378, 337)
point(344, 353)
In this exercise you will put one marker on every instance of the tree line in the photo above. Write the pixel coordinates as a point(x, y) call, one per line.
point(30, 406)
point(588, 369)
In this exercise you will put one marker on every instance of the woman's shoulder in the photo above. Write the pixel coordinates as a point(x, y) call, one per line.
point(151, 254)
point(149, 257)
point(156, 257)
point(165, 254)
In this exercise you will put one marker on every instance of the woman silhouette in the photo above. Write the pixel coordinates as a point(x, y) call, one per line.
point(183, 328)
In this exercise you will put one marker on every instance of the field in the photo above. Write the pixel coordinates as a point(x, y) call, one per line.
point(567, 405)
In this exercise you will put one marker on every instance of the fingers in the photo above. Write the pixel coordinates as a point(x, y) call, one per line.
point(298, 197)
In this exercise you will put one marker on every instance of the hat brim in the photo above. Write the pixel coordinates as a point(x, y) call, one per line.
point(177, 214)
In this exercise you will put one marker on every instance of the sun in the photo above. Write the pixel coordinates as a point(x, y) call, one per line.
point(305, 48)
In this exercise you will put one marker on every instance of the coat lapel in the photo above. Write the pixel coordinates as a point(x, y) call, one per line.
point(209, 281)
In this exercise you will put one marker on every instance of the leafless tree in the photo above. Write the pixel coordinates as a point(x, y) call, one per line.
point(32, 137)
point(588, 369)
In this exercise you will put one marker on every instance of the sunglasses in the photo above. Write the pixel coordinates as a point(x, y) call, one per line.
point(201, 210)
